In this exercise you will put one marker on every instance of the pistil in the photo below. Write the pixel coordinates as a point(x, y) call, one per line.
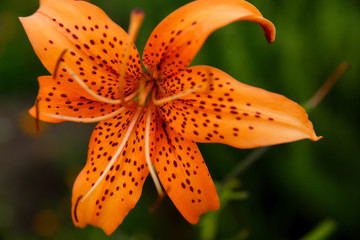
point(145, 93)
point(136, 19)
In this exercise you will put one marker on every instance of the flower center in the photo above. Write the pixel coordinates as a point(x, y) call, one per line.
point(146, 87)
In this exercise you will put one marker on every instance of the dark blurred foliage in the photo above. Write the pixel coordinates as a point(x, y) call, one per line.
point(285, 194)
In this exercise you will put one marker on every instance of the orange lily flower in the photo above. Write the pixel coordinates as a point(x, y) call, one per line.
point(151, 117)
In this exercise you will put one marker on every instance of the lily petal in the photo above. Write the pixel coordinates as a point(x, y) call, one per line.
point(184, 175)
point(67, 100)
point(95, 45)
point(230, 112)
point(105, 203)
point(176, 40)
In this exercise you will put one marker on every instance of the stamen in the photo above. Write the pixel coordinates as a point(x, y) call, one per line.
point(147, 154)
point(37, 113)
point(86, 120)
point(87, 88)
point(156, 203)
point(94, 94)
point(175, 96)
point(326, 87)
point(144, 93)
point(117, 153)
point(58, 62)
point(136, 18)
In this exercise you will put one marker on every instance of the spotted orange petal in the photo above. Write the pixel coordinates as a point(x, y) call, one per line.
point(95, 45)
point(58, 101)
point(113, 196)
point(176, 40)
point(184, 175)
point(230, 112)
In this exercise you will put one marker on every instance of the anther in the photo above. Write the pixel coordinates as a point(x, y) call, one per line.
point(58, 63)
point(37, 115)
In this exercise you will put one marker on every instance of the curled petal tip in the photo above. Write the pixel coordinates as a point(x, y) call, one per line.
point(193, 23)
point(312, 135)
point(270, 36)
point(316, 138)
point(268, 28)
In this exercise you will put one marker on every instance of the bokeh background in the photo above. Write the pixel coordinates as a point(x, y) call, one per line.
point(305, 189)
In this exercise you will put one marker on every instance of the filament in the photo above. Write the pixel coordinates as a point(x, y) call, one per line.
point(86, 120)
point(117, 153)
point(37, 114)
point(147, 154)
point(87, 88)
point(327, 86)
point(175, 96)
point(94, 94)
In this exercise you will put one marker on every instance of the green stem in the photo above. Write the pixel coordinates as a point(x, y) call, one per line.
point(249, 160)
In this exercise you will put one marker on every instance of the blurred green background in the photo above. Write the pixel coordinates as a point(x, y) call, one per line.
point(303, 189)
